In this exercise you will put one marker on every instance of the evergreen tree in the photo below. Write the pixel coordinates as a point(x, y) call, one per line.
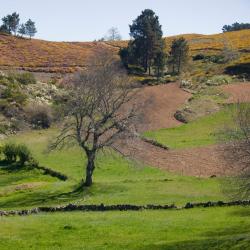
point(11, 23)
point(30, 28)
point(22, 30)
point(14, 22)
point(179, 54)
point(147, 38)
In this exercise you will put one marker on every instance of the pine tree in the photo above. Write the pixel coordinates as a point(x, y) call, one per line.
point(179, 54)
point(30, 28)
point(147, 38)
point(22, 30)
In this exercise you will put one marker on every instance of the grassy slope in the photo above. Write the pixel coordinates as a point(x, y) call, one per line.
point(45, 56)
point(116, 181)
point(213, 228)
point(202, 132)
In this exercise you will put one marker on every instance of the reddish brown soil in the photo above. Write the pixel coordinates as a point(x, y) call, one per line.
point(238, 92)
point(159, 104)
point(202, 161)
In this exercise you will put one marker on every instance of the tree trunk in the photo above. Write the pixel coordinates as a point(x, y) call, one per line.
point(90, 168)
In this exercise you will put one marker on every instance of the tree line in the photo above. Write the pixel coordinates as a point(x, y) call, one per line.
point(147, 47)
point(236, 26)
point(11, 25)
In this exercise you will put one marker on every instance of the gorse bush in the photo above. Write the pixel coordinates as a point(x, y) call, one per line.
point(13, 152)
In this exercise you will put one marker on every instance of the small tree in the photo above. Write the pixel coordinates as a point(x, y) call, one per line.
point(236, 151)
point(94, 114)
point(113, 34)
point(179, 54)
point(30, 28)
point(160, 63)
point(11, 22)
point(22, 30)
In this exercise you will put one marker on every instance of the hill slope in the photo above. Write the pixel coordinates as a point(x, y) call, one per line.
point(39, 55)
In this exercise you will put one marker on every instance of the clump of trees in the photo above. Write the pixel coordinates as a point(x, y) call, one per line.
point(94, 112)
point(236, 26)
point(11, 25)
point(146, 49)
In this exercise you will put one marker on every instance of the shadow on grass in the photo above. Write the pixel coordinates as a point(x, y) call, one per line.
point(48, 197)
point(233, 242)
point(12, 167)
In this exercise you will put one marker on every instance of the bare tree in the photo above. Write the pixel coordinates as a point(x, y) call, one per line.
point(237, 152)
point(113, 34)
point(95, 116)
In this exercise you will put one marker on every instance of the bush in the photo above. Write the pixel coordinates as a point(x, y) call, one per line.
point(219, 80)
point(25, 78)
point(23, 153)
point(10, 152)
point(39, 116)
point(13, 151)
point(198, 57)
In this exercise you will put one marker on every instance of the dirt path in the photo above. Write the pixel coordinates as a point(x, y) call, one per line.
point(159, 105)
point(238, 92)
point(162, 102)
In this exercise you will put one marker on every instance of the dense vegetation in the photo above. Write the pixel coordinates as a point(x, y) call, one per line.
point(236, 26)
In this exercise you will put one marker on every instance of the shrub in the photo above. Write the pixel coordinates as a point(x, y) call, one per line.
point(25, 78)
point(10, 152)
point(39, 116)
point(198, 57)
point(23, 153)
point(219, 80)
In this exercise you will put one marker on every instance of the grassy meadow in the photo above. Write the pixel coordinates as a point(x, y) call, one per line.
point(118, 181)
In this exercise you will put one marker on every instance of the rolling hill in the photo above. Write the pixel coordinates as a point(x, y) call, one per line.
point(44, 56)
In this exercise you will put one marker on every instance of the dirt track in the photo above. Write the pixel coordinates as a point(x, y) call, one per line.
point(162, 102)
point(238, 92)
point(159, 105)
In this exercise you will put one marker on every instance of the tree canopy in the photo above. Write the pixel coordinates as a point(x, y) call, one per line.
point(147, 42)
point(235, 26)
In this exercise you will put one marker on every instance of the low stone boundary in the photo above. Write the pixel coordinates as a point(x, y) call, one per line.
point(53, 173)
point(122, 207)
point(154, 143)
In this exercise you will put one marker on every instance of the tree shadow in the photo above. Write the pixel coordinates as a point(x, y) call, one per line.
point(201, 244)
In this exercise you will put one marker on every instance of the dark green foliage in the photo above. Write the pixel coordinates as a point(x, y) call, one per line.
point(30, 28)
point(12, 152)
point(242, 69)
point(198, 57)
point(9, 151)
point(26, 78)
point(11, 23)
point(22, 30)
point(147, 40)
point(236, 26)
point(178, 54)
point(23, 153)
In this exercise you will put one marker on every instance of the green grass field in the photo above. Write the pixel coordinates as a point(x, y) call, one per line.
point(212, 228)
point(201, 132)
point(117, 181)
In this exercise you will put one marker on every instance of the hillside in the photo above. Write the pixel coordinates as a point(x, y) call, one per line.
point(44, 56)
